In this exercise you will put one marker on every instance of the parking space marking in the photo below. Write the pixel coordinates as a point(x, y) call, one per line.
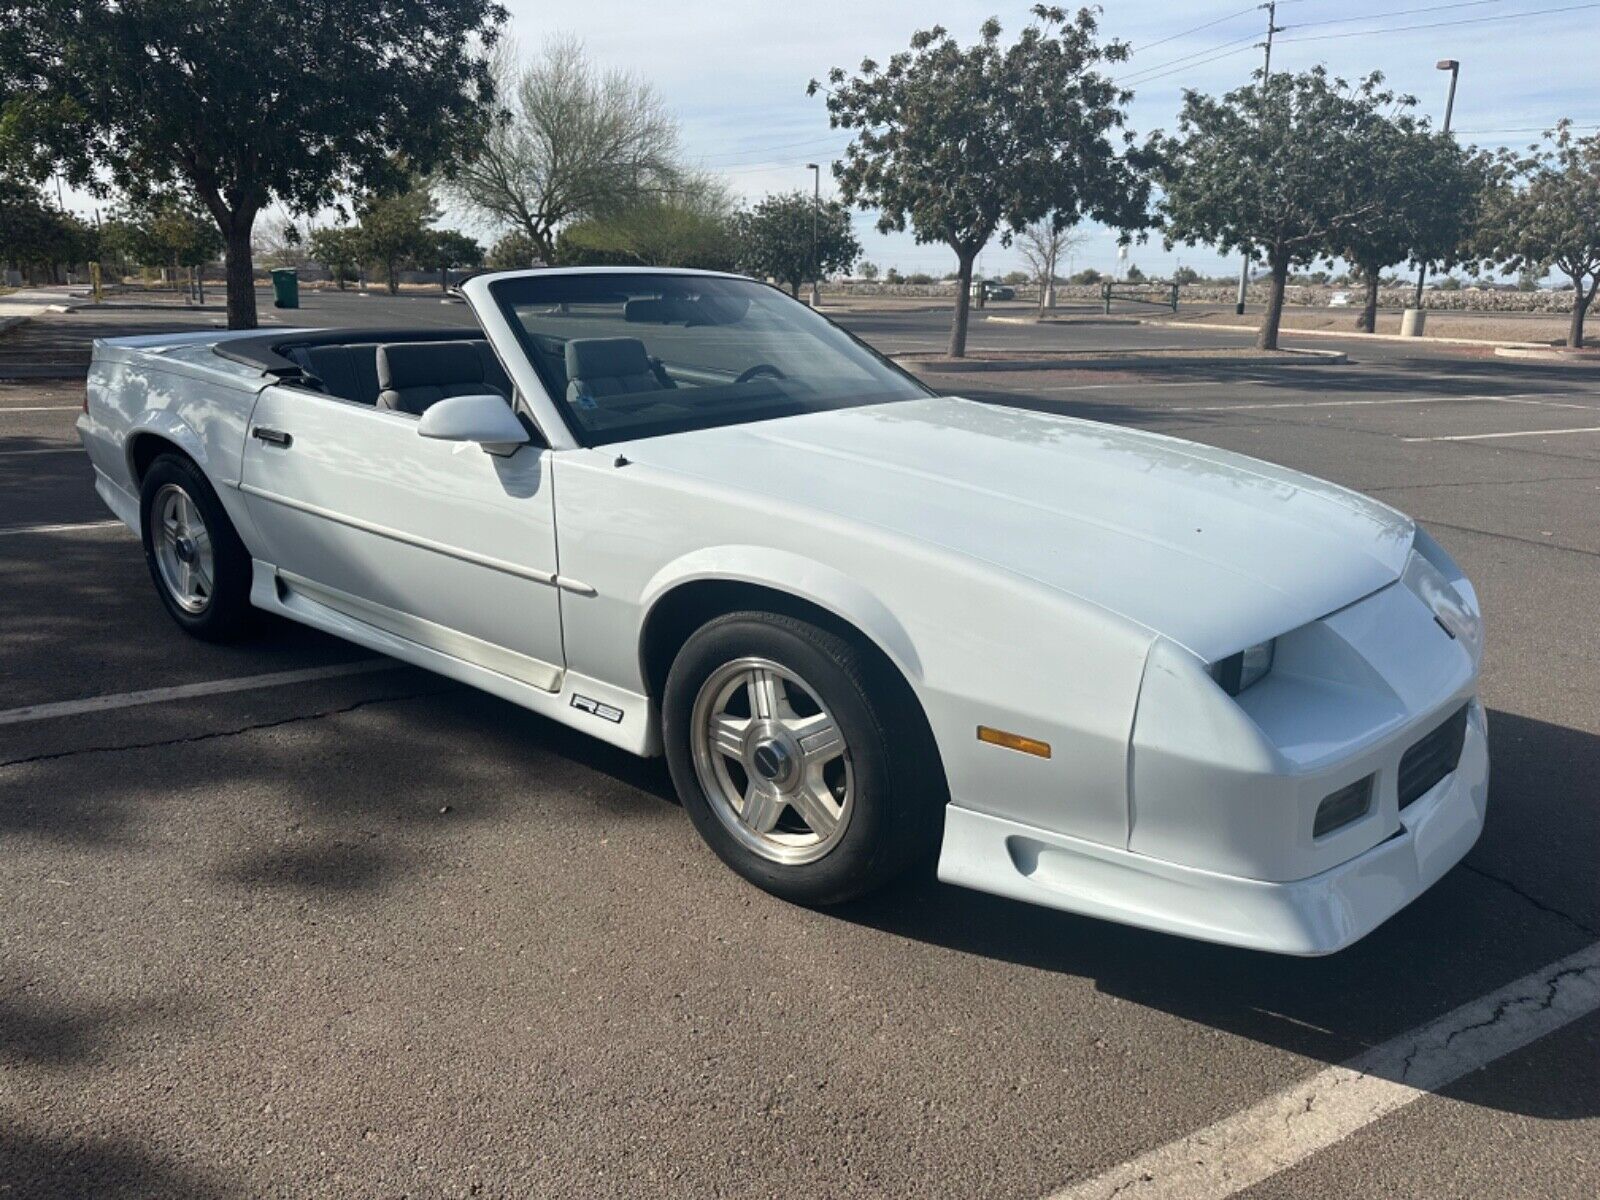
point(42, 408)
point(1521, 398)
point(189, 691)
point(68, 528)
point(1240, 1151)
point(1483, 437)
point(51, 450)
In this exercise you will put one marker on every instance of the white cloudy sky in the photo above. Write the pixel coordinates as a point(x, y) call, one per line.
point(735, 72)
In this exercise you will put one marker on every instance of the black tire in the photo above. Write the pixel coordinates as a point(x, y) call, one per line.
point(226, 612)
point(899, 792)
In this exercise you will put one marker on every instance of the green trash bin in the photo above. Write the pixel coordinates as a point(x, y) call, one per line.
point(285, 288)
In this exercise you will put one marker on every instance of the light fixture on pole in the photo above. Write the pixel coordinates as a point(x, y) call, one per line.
point(816, 204)
point(1454, 67)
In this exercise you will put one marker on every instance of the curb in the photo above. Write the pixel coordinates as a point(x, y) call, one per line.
point(1548, 354)
point(1084, 320)
point(1103, 360)
point(1355, 335)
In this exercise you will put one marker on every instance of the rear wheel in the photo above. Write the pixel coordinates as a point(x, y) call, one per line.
point(200, 567)
point(798, 762)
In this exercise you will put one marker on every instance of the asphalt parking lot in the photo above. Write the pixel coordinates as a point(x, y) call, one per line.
point(362, 932)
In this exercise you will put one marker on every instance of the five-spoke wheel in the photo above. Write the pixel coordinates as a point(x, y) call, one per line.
point(801, 756)
point(772, 760)
point(183, 548)
point(200, 567)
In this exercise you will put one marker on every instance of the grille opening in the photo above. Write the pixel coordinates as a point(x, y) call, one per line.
point(1338, 809)
point(1432, 757)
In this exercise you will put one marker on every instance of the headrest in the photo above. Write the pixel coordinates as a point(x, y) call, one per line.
point(651, 310)
point(427, 364)
point(606, 358)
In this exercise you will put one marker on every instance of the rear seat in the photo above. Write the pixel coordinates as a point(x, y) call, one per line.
point(350, 371)
point(414, 375)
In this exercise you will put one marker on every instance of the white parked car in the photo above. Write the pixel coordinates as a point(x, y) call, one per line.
point(1088, 667)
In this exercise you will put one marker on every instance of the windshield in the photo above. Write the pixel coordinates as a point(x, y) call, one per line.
point(630, 356)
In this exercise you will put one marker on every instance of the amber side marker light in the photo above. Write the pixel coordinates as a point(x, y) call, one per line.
point(1013, 741)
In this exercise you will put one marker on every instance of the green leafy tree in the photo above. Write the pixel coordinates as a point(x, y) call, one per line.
point(1087, 276)
point(964, 144)
point(1185, 275)
point(394, 230)
point(166, 231)
point(775, 239)
point(1427, 189)
point(339, 249)
point(691, 226)
point(575, 144)
point(1543, 211)
point(868, 271)
point(1275, 169)
point(513, 250)
point(245, 101)
point(35, 235)
point(444, 249)
point(1134, 274)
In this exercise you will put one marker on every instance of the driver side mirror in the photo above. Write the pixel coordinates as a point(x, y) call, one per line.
point(487, 420)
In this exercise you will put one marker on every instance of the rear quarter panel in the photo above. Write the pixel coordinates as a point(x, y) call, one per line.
point(177, 390)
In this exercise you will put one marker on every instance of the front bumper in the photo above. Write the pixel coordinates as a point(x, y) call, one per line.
point(1319, 914)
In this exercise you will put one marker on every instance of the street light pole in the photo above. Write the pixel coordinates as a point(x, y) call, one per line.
point(816, 204)
point(1454, 67)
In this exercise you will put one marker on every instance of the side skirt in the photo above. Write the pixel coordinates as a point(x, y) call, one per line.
point(612, 714)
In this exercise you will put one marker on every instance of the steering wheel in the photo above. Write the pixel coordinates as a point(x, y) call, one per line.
point(759, 370)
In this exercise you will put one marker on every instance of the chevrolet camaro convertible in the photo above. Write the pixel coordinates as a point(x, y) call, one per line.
point(1082, 666)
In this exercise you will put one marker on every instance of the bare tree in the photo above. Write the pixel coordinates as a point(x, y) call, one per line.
point(1043, 246)
point(576, 143)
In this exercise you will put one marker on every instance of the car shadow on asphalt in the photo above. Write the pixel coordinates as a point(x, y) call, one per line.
point(1483, 925)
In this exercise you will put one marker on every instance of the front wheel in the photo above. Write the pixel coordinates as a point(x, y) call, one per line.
point(798, 761)
point(200, 567)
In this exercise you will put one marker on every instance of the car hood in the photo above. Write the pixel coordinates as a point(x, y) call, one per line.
point(1214, 550)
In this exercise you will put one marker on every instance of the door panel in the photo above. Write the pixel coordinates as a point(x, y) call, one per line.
point(439, 542)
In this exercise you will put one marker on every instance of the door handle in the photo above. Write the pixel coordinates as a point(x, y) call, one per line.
point(276, 436)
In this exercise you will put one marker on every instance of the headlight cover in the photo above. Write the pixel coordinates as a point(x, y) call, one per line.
point(1238, 671)
point(1434, 578)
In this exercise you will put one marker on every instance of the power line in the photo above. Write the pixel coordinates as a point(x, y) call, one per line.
point(1538, 12)
point(1399, 12)
point(1190, 66)
point(1175, 36)
point(1134, 76)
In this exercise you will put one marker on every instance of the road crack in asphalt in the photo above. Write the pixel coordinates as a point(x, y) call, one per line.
point(1516, 890)
point(214, 735)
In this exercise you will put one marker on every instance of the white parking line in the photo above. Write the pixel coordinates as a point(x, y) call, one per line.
point(58, 528)
point(44, 408)
point(1483, 437)
point(1523, 398)
point(1240, 1151)
point(188, 691)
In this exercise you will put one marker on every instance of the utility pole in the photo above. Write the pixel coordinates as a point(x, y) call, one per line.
point(1266, 73)
point(1454, 67)
point(816, 204)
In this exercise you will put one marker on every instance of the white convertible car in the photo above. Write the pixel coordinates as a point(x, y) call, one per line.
point(1088, 667)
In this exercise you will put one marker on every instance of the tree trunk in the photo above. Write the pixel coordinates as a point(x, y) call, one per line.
point(1267, 336)
point(794, 288)
point(1368, 321)
point(392, 278)
point(1581, 300)
point(240, 271)
point(444, 279)
point(958, 319)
